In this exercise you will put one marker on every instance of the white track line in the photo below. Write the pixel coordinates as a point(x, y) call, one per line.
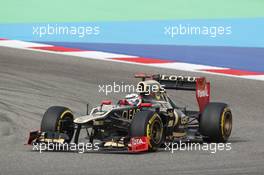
point(109, 57)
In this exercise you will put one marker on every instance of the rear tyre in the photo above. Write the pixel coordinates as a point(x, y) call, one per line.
point(149, 124)
point(216, 122)
point(58, 119)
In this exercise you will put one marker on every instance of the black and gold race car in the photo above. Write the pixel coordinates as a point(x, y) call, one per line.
point(143, 121)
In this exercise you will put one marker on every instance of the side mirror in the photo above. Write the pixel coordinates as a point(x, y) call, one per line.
point(106, 102)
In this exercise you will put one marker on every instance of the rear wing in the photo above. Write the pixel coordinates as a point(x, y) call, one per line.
point(176, 82)
point(186, 83)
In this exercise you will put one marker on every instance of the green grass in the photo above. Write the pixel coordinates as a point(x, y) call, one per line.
point(14, 11)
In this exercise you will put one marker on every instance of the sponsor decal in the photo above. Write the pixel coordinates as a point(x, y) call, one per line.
point(137, 141)
point(202, 93)
point(129, 114)
point(138, 144)
point(178, 78)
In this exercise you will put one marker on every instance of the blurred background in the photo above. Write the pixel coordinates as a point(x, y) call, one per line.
point(211, 32)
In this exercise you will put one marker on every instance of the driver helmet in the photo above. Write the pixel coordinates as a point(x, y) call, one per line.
point(133, 99)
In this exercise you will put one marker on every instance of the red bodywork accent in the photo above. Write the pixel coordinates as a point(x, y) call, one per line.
point(141, 75)
point(123, 102)
point(139, 144)
point(32, 136)
point(145, 105)
point(202, 92)
point(106, 102)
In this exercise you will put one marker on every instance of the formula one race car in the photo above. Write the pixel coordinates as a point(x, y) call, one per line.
point(143, 121)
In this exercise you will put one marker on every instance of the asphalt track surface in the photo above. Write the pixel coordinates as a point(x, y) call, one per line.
point(30, 82)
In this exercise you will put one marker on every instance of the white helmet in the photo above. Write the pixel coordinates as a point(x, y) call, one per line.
point(133, 99)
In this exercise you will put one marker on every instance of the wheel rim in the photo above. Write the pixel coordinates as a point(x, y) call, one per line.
point(156, 131)
point(69, 131)
point(227, 125)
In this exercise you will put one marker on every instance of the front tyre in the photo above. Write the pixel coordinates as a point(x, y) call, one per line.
point(216, 122)
point(148, 123)
point(58, 119)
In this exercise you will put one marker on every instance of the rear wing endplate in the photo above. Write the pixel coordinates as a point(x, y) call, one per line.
point(186, 83)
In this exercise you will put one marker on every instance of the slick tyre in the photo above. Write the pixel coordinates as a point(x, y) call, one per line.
point(58, 119)
point(216, 122)
point(148, 123)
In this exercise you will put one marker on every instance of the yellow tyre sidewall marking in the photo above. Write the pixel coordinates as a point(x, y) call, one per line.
point(223, 121)
point(149, 125)
point(176, 118)
point(61, 117)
